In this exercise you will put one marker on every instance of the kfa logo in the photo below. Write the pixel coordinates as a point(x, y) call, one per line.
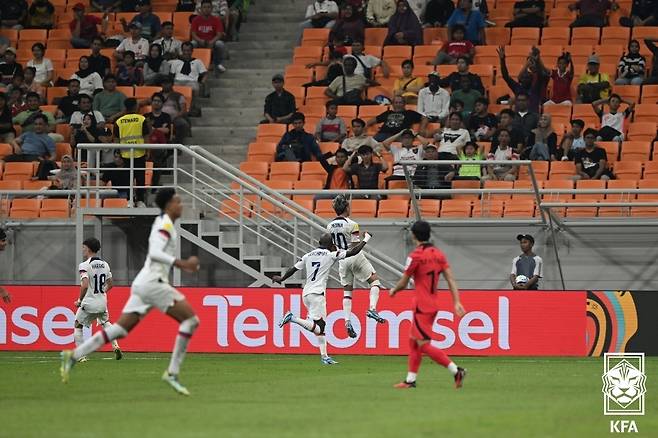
point(624, 387)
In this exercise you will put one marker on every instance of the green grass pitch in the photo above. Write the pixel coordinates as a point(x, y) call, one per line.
point(294, 396)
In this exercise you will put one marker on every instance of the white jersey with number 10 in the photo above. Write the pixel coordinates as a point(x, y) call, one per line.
point(344, 231)
point(97, 272)
point(318, 264)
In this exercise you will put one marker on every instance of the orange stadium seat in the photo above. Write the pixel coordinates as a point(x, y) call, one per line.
point(375, 36)
point(559, 113)
point(525, 184)
point(486, 55)
point(555, 35)
point(285, 170)
point(585, 36)
point(394, 55)
point(347, 112)
point(315, 37)
point(53, 93)
point(620, 184)
point(591, 184)
point(649, 94)
point(22, 208)
point(628, 92)
point(393, 208)
point(36, 184)
point(579, 211)
point(497, 36)
point(628, 170)
point(145, 92)
point(498, 185)
point(432, 34)
point(261, 151)
point(54, 208)
point(10, 185)
point(5, 149)
point(324, 209)
point(304, 184)
point(486, 73)
point(363, 208)
point(423, 54)
point(62, 149)
point(231, 207)
point(562, 170)
point(540, 169)
point(255, 169)
point(307, 55)
point(313, 111)
point(523, 208)
point(611, 149)
point(429, 207)
point(646, 112)
point(328, 147)
point(616, 35)
point(556, 184)
point(316, 96)
point(466, 184)
point(455, 208)
point(488, 208)
point(609, 53)
point(642, 32)
point(270, 132)
point(18, 171)
point(115, 203)
point(313, 170)
point(635, 151)
point(645, 131)
point(525, 35)
point(585, 112)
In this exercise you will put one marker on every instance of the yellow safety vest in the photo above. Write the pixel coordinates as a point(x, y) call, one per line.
point(130, 132)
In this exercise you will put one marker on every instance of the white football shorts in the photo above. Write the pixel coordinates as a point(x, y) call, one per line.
point(144, 296)
point(357, 267)
point(86, 319)
point(316, 306)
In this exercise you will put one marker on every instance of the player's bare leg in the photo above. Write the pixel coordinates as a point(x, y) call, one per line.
point(347, 310)
point(182, 312)
point(416, 349)
point(375, 284)
point(315, 326)
point(118, 354)
point(78, 337)
point(120, 329)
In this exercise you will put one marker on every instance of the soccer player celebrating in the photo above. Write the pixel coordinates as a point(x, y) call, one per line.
point(95, 283)
point(425, 264)
point(4, 295)
point(150, 289)
point(345, 234)
point(318, 264)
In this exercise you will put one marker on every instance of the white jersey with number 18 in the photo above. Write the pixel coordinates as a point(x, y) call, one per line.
point(318, 264)
point(97, 272)
point(344, 231)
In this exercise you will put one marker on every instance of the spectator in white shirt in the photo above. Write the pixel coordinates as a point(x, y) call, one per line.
point(319, 14)
point(187, 70)
point(43, 66)
point(90, 81)
point(366, 62)
point(405, 151)
point(434, 101)
point(85, 107)
point(134, 43)
point(171, 47)
point(453, 135)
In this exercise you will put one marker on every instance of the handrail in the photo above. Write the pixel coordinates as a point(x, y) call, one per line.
point(48, 193)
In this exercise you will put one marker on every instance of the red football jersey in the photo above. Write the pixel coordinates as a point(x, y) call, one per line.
point(425, 265)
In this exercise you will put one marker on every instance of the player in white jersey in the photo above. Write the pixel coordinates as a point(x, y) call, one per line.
point(345, 234)
point(150, 289)
point(95, 283)
point(317, 264)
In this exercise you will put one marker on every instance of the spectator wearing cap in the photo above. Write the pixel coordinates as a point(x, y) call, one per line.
point(366, 171)
point(208, 31)
point(150, 22)
point(134, 43)
point(171, 46)
point(105, 5)
point(593, 85)
point(453, 80)
point(405, 151)
point(297, 144)
point(84, 27)
point(434, 101)
point(592, 13)
point(9, 67)
point(527, 264)
point(408, 84)
point(279, 104)
point(432, 176)
point(397, 119)
point(13, 13)
point(188, 71)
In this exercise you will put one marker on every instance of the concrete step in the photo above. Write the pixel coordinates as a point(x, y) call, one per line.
point(289, 36)
point(257, 64)
point(237, 46)
point(259, 53)
point(219, 132)
point(224, 91)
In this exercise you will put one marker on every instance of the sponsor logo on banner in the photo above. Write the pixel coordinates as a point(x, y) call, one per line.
point(624, 389)
point(235, 320)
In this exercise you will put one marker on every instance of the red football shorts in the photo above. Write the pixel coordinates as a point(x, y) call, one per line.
point(421, 327)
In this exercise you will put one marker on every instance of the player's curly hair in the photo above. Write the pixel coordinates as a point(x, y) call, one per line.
point(93, 244)
point(163, 196)
point(340, 204)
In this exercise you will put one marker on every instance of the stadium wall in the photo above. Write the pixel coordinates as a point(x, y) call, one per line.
point(592, 258)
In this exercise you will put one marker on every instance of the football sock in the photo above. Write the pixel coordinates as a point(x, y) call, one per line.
point(322, 344)
point(78, 336)
point(102, 337)
point(414, 360)
point(411, 377)
point(437, 355)
point(347, 304)
point(374, 297)
point(115, 344)
point(309, 325)
point(185, 331)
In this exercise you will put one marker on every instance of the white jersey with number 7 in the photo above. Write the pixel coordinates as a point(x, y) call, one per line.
point(318, 264)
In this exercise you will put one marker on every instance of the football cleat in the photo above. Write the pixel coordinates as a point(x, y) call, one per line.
point(328, 361)
point(67, 363)
point(405, 385)
point(374, 315)
point(350, 330)
point(118, 354)
point(174, 383)
point(83, 359)
point(459, 377)
point(286, 319)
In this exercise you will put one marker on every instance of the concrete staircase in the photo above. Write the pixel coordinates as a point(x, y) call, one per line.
point(235, 106)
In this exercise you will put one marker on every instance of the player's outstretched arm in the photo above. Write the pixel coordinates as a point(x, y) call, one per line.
point(191, 264)
point(454, 290)
point(357, 249)
point(401, 285)
point(5, 295)
point(279, 279)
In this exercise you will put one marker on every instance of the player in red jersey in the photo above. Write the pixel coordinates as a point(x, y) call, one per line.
point(425, 264)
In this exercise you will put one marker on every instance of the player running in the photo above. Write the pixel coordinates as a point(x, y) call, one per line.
point(4, 295)
point(318, 264)
point(425, 264)
point(345, 233)
point(151, 289)
point(95, 283)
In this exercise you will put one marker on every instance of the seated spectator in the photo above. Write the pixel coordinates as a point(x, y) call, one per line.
point(219, 8)
point(467, 95)
point(432, 176)
point(506, 121)
point(504, 152)
point(349, 27)
point(319, 14)
point(612, 122)
point(541, 144)
point(454, 49)
point(365, 64)
point(434, 101)
point(297, 144)
point(631, 66)
point(208, 32)
point(397, 119)
point(171, 47)
point(643, 13)
point(89, 80)
point(366, 171)
point(481, 123)
point(185, 6)
point(149, 22)
point(408, 85)
point(160, 120)
point(134, 43)
point(379, 12)
point(30, 84)
point(359, 137)
point(471, 151)
point(105, 5)
point(437, 13)
point(84, 27)
point(528, 13)
point(176, 106)
point(573, 140)
point(26, 119)
point(453, 135)
point(35, 145)
point(592, 161)
point(279, 104)
point(593, 85)
point(406, 151)
point(85, 106)
point(155, 66)
point(404, 29)
point(67, 105)
point(561, 78)
point(331, 127)
point(334, 69)
point(337, 178)
point(98, 62)
point(40, 15)
point(592, 13)
point(525, 119)
point(532, 79)
point(116, 177)
point(66, 177)
point(13, 14)
point(187, 70)
point(348, 88)
point(16, 101)
point(110, 101)
point(653, 75)
point(9, 67)
point(89, 131)
point(127, 72)
point(453, 80)
point(7, 134)
point(472, 20)
point(43, 66)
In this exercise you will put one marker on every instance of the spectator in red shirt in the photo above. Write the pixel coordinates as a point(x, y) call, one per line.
point(208, 31)
point(592, 13)
point(561, 78)
point(456, 48)
point(84, 27)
